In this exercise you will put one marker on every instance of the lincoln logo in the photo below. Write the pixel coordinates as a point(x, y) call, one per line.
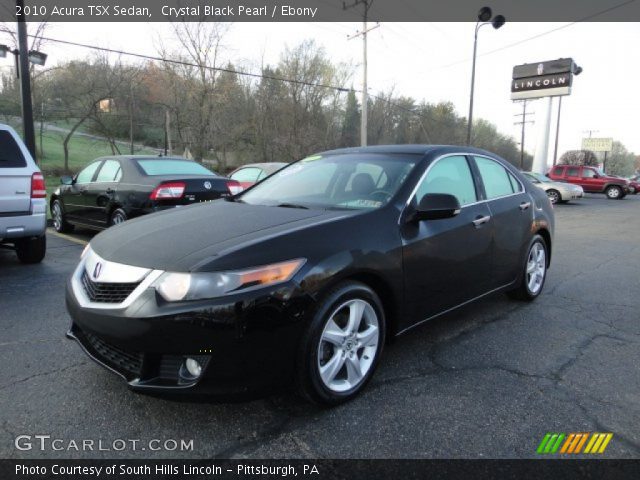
point(207, 185)
point(540, 69)
point(96, 270)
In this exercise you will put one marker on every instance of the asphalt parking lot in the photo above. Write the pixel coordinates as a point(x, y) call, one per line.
point(487, 381)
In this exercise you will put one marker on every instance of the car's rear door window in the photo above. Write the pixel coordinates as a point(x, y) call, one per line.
point(450, 175)
point(573, 172)
point(10, 153)
point(496, 178)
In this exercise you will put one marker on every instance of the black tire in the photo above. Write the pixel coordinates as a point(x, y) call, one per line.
point(117, 216)
point(613, 192)
point(308, 378)
point(60, 223)
point(554, 196)
point(32, 249)
point(523, 291)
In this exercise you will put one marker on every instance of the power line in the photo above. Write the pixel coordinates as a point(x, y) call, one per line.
point(236, 72)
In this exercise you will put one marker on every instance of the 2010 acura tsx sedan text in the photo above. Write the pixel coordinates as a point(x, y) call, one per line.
point(302, 278)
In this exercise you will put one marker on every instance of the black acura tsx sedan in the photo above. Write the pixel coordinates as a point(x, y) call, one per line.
point(301, 279)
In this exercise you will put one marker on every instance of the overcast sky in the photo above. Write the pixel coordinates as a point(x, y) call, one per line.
point(432, 61)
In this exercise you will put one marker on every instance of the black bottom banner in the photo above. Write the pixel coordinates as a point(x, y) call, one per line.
point(318, 469)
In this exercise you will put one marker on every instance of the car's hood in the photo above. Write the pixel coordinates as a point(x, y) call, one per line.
point(164, 240)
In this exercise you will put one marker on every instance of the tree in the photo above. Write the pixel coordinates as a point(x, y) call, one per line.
point(351, 122)
point(579, 157)
point(620, 161)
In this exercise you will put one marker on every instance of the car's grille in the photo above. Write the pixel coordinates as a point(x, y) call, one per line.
point(107, 292)
point(121, 360)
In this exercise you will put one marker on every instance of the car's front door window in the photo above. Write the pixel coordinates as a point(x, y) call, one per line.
point(450, 175)
point(86, 175)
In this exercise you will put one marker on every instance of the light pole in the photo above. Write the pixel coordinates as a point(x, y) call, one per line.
point(576, 71)
point(24, 56)
point(484, 18)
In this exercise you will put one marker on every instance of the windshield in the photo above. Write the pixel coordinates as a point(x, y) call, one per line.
point(340, 181)
point(162, 166)
point(538, 176)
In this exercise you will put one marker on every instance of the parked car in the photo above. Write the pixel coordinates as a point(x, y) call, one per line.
point(634, 184)
point(23, 203)
point(591, 180)
point(311, 271)
point(249, 174)
point(556, 191)
point(111, 190)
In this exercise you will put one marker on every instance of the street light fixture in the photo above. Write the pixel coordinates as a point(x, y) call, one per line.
point(484, 18)
point(37, 58)
point(3, 51)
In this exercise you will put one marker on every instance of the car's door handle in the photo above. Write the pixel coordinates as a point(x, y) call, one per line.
point(83, 190)
point(525, 205)
point(481, 220)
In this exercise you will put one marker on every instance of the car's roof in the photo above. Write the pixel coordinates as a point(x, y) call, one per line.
point(415, 149)
point(144, 157)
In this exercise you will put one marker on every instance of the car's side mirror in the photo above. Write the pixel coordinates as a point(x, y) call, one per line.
point(66, 180)
point(595, 175)
point(435, 206)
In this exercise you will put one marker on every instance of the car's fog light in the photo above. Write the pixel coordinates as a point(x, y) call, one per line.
point(193, 367)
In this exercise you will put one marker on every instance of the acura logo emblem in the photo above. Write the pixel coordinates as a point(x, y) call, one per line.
point(96, 270)
point(207, 185)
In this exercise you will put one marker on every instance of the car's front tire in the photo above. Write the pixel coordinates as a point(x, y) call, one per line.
point(535, 271)
point(32, 249)
point(342, 344)
point(554, 196)
point(60, 223)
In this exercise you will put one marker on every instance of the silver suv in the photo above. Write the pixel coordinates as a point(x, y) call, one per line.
point(23, 202)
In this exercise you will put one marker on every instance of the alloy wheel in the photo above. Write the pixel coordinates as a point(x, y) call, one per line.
point(57, 216)
point(536, 267)
point(613, 192)
point(348, 345)
point(118, 218)
point(553, 196)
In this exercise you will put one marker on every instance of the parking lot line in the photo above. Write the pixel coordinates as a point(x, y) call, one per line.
point(66, 237)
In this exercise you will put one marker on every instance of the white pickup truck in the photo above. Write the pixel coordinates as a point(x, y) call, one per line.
point(23, 204)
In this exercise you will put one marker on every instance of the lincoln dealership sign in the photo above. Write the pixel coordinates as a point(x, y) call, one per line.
point(543, 79)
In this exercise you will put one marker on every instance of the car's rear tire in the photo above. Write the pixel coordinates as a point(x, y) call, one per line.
point(60, 223)
point(342, 344)
point(554, 196)
point(32, 249)
point(117, 216)
point(614, 192)
point(535, 271)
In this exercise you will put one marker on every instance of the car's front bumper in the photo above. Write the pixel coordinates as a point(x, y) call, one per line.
point(245, 343)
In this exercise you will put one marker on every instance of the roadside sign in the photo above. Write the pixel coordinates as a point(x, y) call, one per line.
point(597, 144)
point(542, 79)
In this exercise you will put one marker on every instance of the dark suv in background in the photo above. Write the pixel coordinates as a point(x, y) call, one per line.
point(591, 180)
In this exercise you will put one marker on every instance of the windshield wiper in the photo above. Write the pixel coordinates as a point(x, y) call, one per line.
point(292, 205)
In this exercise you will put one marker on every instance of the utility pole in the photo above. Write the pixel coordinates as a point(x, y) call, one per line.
point(131, 116)
point(523, 122)
point(363, 118)
point(555, 148)
point(25, 83)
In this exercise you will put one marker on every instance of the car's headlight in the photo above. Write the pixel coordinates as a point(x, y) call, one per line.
point(175, 287)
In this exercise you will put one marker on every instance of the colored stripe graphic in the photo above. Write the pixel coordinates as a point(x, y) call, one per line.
point(573, 443)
